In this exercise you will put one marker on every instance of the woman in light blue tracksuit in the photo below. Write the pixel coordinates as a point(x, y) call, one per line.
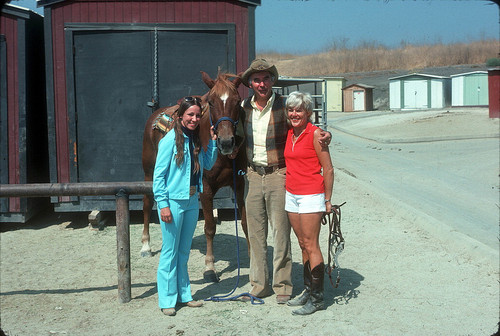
point(177, 180)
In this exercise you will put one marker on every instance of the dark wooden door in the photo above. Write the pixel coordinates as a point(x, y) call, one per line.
point(116, 73)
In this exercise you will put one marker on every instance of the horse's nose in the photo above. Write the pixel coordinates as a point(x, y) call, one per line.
point(226, 145)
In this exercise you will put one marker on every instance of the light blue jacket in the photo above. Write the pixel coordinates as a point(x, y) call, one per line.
point(171, 181)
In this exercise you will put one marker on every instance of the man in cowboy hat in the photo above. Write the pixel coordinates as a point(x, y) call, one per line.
point(265, 127)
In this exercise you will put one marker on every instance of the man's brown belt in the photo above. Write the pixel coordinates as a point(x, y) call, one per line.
point(262, 170)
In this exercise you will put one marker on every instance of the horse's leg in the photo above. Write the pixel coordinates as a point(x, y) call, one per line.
point(147, 207)
point(207, 198)
point(240, 194)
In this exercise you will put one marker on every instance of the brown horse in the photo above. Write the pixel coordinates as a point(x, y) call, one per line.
point(221, 108)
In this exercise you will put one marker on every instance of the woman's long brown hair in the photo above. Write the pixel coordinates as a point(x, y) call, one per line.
point(179, 134)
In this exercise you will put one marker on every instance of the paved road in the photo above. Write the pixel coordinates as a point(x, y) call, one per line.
point(454, 182)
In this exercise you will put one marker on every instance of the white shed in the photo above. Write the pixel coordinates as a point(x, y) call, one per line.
point(469, 89)
point(332, 87)
point(419, 91)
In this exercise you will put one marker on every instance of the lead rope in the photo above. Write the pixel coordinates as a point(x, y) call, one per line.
point(335, 242)
point(227, 297)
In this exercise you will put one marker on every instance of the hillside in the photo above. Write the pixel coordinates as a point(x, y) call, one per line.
point(372, 64)
point(373, 57)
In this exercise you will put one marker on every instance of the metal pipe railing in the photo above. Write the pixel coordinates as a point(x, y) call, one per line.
point(121, 190)
point(74, 189)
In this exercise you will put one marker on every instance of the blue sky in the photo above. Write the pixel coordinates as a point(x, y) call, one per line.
point(311, 26)
point(299, 26)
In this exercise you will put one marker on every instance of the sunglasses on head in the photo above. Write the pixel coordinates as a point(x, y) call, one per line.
point(190, 99)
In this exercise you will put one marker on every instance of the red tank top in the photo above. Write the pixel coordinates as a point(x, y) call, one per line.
point(303, 170)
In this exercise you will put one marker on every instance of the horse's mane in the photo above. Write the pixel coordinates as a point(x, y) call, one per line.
point(223, 84)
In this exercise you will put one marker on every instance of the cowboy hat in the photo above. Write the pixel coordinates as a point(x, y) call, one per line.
point(258, 65)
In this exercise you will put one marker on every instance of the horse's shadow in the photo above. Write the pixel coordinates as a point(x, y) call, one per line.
point(235, 252)
point(226, 247)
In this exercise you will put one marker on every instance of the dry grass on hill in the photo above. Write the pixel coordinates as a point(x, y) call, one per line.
point(374, 57)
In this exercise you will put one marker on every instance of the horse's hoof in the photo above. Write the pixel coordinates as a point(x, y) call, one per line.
point(210, 276)
point(145, 254)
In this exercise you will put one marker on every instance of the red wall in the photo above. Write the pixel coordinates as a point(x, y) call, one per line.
point(494, 92)
point(131, 12)
point(8, 27)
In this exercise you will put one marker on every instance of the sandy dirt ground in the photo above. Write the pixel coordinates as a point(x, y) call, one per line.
point(58, 277)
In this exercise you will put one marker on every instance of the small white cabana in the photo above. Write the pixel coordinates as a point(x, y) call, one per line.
point(419, 91)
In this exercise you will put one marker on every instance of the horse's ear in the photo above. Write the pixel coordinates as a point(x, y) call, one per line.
point(207, 80)
point(237, 80)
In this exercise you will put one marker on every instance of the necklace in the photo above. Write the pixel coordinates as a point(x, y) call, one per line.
point(294, 138)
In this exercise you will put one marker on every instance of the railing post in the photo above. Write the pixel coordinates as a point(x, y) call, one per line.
point(122, 190)
point(123, 246)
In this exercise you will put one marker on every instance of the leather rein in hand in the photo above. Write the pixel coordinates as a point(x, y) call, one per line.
point(335, 242)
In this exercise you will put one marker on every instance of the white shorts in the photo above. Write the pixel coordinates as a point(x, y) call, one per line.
point(305, 203)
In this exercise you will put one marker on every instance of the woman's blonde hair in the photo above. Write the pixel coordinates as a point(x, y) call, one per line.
point(298, 99)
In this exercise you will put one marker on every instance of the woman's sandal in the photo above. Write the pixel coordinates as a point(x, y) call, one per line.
point(194, 304)
point(168, 311)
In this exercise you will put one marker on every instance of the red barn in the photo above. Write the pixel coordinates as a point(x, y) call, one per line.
point(111, 61)
point(23, 119)
point(494, 92)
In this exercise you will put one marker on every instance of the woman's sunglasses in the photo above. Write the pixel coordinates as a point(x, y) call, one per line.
point(190, 99)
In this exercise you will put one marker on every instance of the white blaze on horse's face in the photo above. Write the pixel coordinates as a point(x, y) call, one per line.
point(224, 99)
point(225, 136)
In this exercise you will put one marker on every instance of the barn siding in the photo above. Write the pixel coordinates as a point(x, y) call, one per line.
point(22, 135)
point(9, 27)
point(494, 92)
point(84, 11)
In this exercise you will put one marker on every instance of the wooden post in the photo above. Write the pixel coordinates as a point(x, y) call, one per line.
point(122, 190)
point(123, 246)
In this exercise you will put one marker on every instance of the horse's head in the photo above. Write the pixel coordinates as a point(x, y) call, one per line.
point(224, 108)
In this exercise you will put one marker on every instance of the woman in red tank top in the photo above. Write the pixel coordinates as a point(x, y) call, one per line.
point(309, 185)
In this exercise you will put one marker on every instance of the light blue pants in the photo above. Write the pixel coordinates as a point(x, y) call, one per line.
point(177, 236)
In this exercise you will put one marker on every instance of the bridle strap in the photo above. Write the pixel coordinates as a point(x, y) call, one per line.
point(216, 125)
point(234, 123)
point(335, 242)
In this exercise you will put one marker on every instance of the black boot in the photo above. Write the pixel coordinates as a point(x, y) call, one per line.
point(302, 299)
point(315, 301)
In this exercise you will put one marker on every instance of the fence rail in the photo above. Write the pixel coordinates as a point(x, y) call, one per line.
point(121, 190)
point(74, 189)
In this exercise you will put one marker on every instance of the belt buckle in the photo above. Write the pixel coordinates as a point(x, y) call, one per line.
point(260, 170)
